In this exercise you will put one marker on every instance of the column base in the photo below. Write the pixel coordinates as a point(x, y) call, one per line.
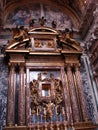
point(89, 125)
point(16, 128)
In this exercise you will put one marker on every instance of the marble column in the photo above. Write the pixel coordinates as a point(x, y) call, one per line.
point(11, 97)
point(72, 93)
point(81, 95)
point(66, 97)
point(28, 97)
point(21, 96)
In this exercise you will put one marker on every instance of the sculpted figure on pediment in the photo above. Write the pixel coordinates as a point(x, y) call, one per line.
point(19, 34)
point(67, 36)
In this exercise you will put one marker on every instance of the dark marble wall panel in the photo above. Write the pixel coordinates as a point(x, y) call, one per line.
point(3, 91)
point(87, 92)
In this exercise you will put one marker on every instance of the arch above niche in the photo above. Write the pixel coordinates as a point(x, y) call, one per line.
point(66, 16)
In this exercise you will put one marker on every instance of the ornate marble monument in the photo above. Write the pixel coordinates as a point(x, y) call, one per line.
point(45, 85)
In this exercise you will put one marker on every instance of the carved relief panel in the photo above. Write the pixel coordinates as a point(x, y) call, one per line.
point(43, 44)
point(46, 95)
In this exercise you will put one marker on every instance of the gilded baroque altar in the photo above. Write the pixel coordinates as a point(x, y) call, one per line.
point(45, 87)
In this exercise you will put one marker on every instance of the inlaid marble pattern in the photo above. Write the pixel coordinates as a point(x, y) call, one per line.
point(3, 91)
point(87, 93)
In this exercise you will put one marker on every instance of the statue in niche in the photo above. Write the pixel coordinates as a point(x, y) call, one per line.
point(38, 43)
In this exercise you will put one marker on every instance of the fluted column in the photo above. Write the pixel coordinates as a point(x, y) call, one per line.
point(68, 115)
point(81, 95)
point(72, 93)
point(27, 97)
point(21, 97)
point(11, 96)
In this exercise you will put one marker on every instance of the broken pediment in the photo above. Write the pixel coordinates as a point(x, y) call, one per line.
point(42, 39)
point(71, 45)
point(18, 44)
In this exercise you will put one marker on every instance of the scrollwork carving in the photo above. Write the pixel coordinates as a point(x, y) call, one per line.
point(38, 44)
point(50, 44)
point(46, 104)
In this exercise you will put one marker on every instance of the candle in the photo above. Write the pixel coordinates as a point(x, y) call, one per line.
point(30, 111)
point(37, 111)
point(56, 110)
point(63, 110)
point(44, 111)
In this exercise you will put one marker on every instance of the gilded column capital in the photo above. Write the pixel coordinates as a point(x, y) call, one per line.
point(21, 67)
point(12, 64)
point(69, 66)
point(77, 65)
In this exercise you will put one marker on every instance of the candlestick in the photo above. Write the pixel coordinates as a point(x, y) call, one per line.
point(65, 125)
point(73, 128)
point(46, 127)
point(58, 126)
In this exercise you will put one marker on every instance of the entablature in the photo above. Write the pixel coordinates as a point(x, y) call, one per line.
point(42, 41)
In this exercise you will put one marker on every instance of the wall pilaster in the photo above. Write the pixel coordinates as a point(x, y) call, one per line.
point(72, 93)
point(80, 93)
